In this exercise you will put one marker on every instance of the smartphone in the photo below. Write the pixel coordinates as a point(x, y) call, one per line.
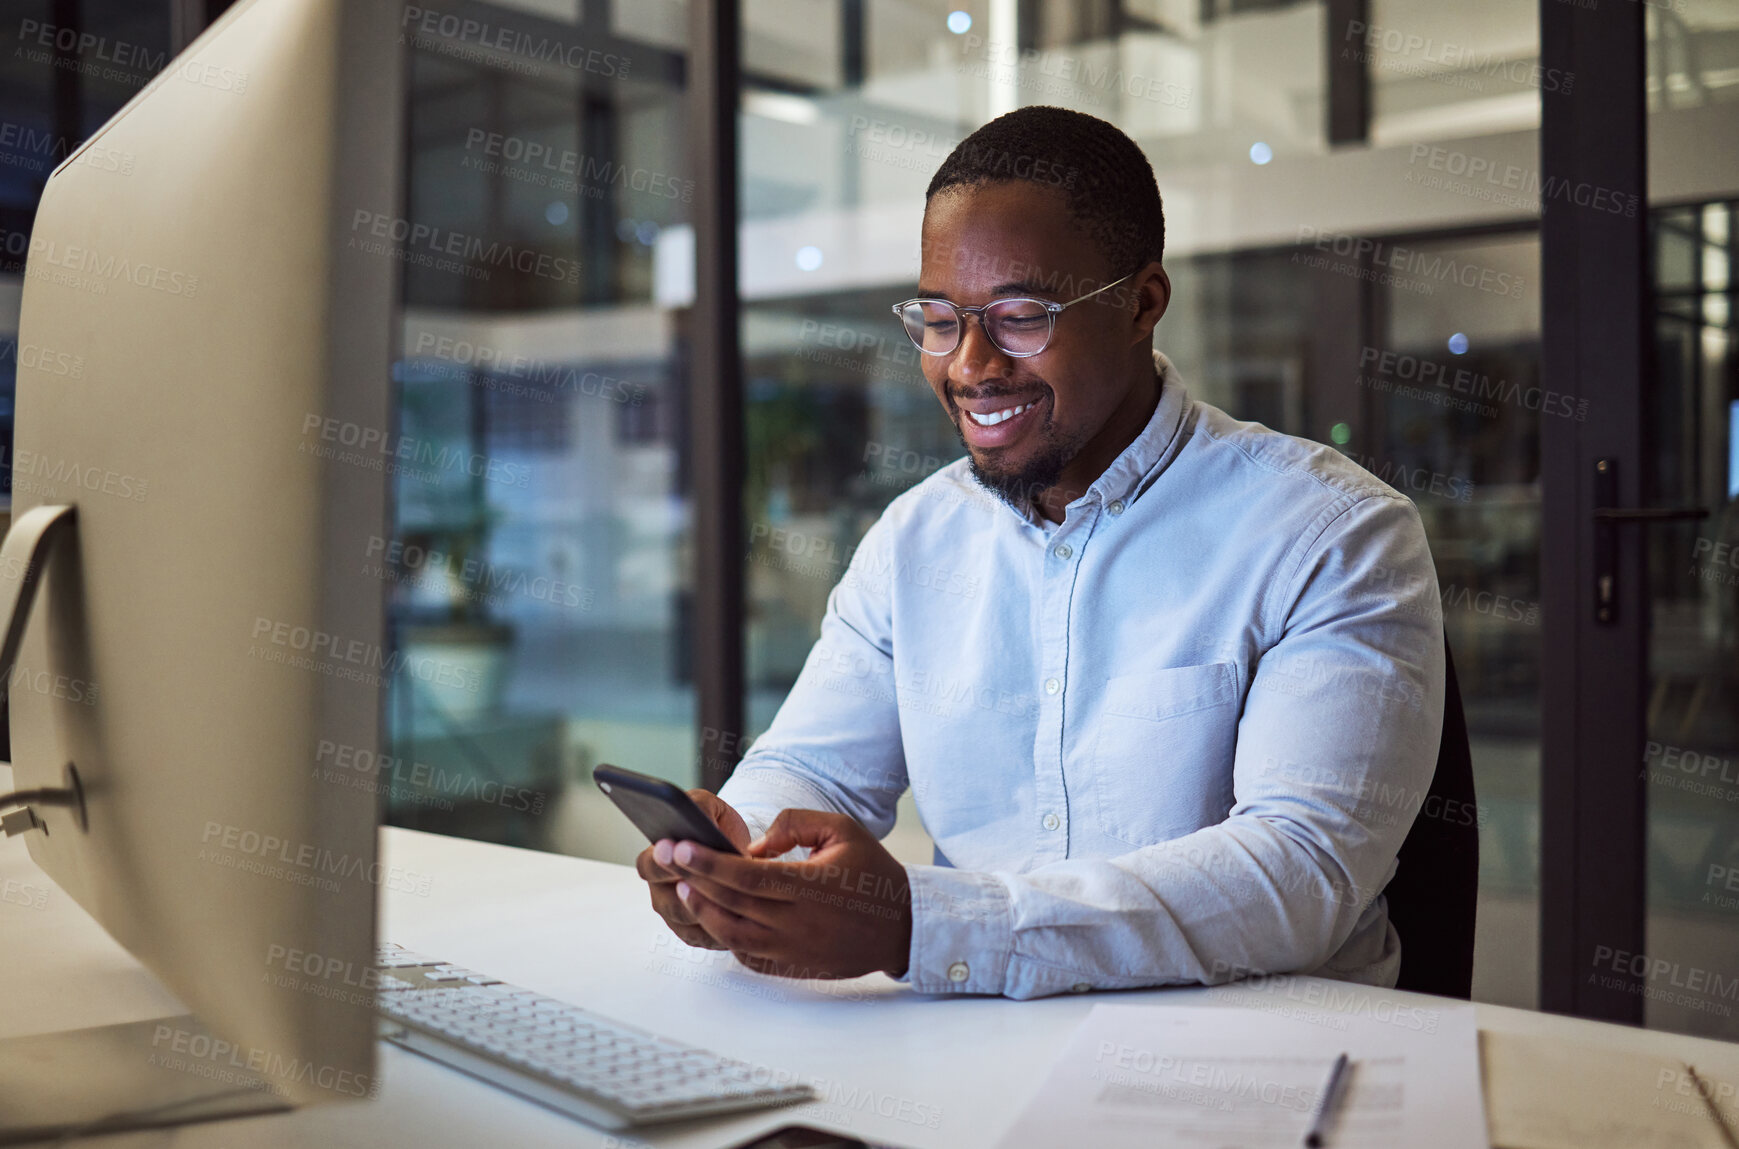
point(660, 809)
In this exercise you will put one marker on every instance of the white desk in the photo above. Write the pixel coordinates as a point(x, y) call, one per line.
point(584, 932)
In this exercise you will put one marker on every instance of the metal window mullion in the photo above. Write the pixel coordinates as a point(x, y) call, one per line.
point(715, 392)
point(1593, 817)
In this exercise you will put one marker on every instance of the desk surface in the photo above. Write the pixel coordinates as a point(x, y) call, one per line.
point(914, 1070)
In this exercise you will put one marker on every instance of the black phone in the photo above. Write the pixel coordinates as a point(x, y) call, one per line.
point(660, 809)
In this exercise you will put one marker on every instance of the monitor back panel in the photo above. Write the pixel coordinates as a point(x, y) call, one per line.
point(209, 345)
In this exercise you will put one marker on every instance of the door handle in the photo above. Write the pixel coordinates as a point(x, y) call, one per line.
point(1606, 519)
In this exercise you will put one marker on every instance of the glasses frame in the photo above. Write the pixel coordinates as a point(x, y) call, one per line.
point(1051, 306)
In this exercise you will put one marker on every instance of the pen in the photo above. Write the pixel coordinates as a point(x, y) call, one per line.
point(1325, 1105)
point(1714, 1110)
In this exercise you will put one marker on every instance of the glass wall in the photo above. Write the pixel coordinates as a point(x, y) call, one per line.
point(554, 566)
point(1689, 761)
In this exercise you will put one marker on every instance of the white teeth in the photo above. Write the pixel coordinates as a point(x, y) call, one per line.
point(996, 417)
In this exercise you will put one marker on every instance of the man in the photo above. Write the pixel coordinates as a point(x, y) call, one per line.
point(1175, 720)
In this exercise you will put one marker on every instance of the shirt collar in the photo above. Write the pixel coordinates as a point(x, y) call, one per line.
point(1135, 469)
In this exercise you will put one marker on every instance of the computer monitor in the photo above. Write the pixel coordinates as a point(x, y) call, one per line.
point(204, 622)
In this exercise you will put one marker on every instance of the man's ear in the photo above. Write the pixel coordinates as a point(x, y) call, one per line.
point(1152, 291)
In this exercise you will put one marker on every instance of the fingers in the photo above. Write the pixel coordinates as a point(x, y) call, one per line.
point(653, 863)
point(766, 911)
point(733, 930)
point(792, 828)
point(766, 880)
point(668, 906)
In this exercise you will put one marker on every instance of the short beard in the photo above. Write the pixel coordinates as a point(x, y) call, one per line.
point(1018, 488)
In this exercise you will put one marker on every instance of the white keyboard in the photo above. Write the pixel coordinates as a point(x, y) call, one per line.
point(601, 1071)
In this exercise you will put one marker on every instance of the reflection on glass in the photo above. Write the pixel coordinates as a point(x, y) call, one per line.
point(1456, 409)
point(1691, 759)
point(539, 569)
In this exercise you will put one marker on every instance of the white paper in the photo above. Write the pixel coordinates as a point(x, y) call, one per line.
point(1232, 1077)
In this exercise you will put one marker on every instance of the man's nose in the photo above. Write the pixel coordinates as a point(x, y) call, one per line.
point(977, 358)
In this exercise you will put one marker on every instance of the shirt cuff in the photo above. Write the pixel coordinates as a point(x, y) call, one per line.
point(962, 931)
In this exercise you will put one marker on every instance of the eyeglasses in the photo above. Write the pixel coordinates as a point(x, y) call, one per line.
point(1017, 327)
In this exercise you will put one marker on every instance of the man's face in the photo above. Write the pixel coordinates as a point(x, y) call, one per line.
point(1015, 239)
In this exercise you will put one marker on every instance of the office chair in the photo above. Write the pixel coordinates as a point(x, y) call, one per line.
point(1434, 894)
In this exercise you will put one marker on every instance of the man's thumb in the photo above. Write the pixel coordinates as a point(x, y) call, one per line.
point(793, 828)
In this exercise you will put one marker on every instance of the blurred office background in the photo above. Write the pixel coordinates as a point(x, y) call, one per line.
point(1322, 266)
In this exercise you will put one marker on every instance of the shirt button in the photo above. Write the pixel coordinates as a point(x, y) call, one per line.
point(1063, 550)
point(1052, 821)
point(958, 972)
point(1116, 507)
point(1052, 686)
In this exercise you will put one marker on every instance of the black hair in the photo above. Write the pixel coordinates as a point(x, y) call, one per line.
point(1106, 182)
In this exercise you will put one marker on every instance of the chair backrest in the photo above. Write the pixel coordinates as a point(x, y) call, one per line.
point(1435, 891)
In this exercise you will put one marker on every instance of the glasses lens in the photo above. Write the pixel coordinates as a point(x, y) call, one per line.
point(934, 327)
point(1019, 326)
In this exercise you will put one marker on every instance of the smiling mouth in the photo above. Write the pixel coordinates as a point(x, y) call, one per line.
point(992, 418)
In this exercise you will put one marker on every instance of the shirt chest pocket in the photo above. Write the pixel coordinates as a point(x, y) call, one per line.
point(1162, 753)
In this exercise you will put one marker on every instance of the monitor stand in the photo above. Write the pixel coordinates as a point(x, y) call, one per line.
point(142, 1074)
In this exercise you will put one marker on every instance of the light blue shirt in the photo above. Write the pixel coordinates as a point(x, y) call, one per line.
point(1177, 738)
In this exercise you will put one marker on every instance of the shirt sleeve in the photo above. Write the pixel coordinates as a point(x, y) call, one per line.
point(835, 743)
point(1336, 747)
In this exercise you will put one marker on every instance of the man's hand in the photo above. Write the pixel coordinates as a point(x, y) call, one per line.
point(844, 912)
point(663, 880)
